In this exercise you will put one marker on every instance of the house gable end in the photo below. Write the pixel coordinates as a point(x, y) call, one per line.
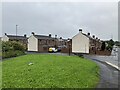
point(5, 38)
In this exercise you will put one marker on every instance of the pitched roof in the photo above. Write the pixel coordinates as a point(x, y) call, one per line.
point(16, 37)
point(87, 36)
point(43, 37)
point(82, 34)
point(90, 37)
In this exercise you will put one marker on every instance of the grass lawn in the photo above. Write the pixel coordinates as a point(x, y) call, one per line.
point(0, 75)
point(0, 53)
point(49, 71)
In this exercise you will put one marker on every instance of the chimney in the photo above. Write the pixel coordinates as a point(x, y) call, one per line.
point(55, 36)
point(5, 33)
point(60, 37)
point(49, 35)
point(93, 36)
point(25, 35)
point(96, 38)
point(33, 33)
point(80, 30)
point(88, 34)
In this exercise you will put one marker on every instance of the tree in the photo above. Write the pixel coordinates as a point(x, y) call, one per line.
point(110, 43)
point(103, 46)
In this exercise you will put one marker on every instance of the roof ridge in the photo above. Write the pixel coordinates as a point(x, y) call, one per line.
point(41, 35)
point(15, 35)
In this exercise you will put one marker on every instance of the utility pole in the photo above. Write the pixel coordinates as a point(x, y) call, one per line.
point(16, 31)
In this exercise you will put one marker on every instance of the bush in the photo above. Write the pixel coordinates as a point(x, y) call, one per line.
point(12, 49)
point(6, 46)
point(109, 47)
point(9, 54)
point(18, 46)
point(12, 45)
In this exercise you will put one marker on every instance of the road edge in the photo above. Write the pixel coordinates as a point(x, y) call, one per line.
point(118, 68)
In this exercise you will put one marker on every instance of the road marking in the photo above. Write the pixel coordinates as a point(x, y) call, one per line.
point(113, 65)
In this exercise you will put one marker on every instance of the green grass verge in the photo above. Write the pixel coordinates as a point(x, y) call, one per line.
point(0, 75)
point(49, 71)
point(0, 54)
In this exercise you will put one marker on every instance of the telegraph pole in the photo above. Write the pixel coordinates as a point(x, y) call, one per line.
point(16, 32)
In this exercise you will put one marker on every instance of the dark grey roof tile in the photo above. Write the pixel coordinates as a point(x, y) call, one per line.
point(16, 37)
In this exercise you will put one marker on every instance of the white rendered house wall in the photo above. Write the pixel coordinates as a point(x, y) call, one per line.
point(5, 38)
point(80, 43)
point(32, 43)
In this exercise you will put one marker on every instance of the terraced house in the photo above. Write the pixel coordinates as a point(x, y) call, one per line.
point(21, 39)
point(41, 43)
point(80, 43)
point(84, 43)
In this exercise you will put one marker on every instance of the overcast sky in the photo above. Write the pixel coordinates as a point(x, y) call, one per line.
point(61, 18)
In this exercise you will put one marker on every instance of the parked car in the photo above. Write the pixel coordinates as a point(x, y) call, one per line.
point(58, 49)
point(52, 49)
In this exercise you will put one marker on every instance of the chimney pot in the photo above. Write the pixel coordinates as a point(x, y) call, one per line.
point(93, 36)
point(55, 36)
point(25, 35)
point(80, 30)
point(49, 35)
point(33, 33)
point(5, 33)
point(88, 34)
point(60, 37)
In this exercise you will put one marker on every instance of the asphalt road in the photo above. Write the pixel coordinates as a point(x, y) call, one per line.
point(108, 75)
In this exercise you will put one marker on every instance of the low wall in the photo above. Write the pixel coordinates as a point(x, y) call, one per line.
point(99, 52)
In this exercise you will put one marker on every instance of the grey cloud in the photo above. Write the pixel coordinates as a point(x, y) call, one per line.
point(63, 19)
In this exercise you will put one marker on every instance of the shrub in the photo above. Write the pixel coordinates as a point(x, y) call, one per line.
point(18, 46)
point(7, 46)
point(109, 47)
point(12, 49)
